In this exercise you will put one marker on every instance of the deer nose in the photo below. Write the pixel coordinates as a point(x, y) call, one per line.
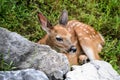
point(72, 49)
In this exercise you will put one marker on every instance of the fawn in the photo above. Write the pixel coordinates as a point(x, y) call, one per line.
point(78, 41)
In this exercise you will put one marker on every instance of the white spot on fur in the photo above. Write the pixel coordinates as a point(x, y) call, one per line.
point(87, 31)
point(84, 29)
point(91, 36)
point(78, 25)
point(73, 25)
point(86, 38)
point(80, 34)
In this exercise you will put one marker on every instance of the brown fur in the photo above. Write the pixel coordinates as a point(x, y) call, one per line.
point(82, 36)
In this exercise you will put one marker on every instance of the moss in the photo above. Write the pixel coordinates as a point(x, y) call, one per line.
point(104, 15)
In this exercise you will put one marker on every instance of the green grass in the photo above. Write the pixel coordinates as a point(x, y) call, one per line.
point(4, 65)
point(104, 15)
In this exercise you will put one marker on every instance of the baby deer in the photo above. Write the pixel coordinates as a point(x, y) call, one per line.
point(78, 41)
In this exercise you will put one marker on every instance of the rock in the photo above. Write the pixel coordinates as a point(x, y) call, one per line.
point(95, 70)
point(26, 54)
point(28, 74)
point(14, 47)
point(47, 60)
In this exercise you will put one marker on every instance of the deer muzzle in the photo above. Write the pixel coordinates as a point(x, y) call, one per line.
point(72, 49)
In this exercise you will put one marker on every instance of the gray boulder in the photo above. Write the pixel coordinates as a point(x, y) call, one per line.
point(14, 47)
point(43, 58)
point(26, 54)
point(94, 70)
point(28, 74)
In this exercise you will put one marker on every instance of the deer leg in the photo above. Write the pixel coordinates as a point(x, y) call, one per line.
point(83, 59)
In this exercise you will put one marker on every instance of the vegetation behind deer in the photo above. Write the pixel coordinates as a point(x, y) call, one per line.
point(104, 15)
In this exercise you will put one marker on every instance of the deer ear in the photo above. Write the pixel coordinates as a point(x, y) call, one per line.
point(63, 17)
point(46, 26)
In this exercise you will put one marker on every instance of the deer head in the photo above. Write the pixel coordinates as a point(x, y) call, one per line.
point(58, 36)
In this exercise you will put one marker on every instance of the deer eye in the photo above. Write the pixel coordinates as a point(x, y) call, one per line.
point(58, 38)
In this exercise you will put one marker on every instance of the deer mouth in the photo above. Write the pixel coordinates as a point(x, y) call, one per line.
point(61, 50)
point(71, 50)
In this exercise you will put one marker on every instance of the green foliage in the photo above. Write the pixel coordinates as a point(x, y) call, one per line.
point(5, 66)
point(104, 15)
point(111, 52)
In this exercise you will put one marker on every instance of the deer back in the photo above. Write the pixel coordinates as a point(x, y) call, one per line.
point(88, 38)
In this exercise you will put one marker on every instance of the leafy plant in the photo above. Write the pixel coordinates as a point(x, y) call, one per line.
point(111, 53)
point(104, 15)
